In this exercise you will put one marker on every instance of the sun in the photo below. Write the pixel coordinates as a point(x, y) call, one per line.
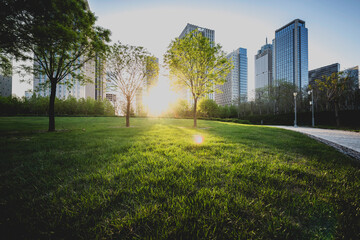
point(159, 97)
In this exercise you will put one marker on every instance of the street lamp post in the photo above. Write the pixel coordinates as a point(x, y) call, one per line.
point(295, 123)
point(312, 108)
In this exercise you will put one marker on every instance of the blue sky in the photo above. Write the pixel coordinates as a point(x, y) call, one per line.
point(334, 31)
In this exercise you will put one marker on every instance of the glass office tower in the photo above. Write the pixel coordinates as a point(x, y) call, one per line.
point(291, 54)
point(234, 90)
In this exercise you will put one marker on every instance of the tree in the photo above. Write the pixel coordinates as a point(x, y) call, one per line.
point(127, 69)
point(197, 65)
point(208, 107)
point(5, 65)
point(60, 35)
point(334, 86)
point(282, 96)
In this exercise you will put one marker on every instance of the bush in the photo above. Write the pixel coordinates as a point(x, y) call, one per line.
point(36, 105)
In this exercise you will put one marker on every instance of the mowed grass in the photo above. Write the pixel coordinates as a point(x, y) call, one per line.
point(96, 179)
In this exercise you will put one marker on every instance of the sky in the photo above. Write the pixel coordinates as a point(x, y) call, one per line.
point(333, 26)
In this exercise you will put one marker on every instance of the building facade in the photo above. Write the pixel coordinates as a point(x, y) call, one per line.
point(234, 90)
point(5, 86)
point(290, 54)
point(323, 71)
point(264, 66)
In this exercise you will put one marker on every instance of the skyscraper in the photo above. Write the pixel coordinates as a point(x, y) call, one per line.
point(291, 54)
point(235, 87)
point(263, 66)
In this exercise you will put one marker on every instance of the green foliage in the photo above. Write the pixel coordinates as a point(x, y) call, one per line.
point(196, 64)
point(60, 36)
point(334, 87)
point(208, 108)
point(5, 65)
point(180, 109)
point(98, 180)
point(127, 69)
point(39, 106)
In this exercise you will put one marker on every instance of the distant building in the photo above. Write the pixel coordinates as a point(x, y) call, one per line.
point(5, 86)
point(111, 97)
point(353, 73)
point(100, 78)
point(234, 90)
point(263, 66)
point(28, 94)
point(290, 54)
point(323, 71)
point(210, 34)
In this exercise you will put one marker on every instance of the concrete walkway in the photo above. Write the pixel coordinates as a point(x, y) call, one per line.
point(345, 141)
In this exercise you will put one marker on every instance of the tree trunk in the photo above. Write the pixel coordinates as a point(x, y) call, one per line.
point(195, 105)
point(52, 107)
point(337, 114)
point(128, 111)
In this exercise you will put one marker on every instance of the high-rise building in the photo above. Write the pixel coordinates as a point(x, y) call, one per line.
point(290, 54)
point(5, 86)
point(100, 78)
point(210, 34)
point(94, 89)
point(353, 73)
point(234, 90)
point(323, 71)
point(263, 66)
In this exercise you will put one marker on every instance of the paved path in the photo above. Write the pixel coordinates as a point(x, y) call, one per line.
point(344, 141)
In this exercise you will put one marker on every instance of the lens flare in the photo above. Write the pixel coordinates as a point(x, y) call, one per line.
point(198, 139)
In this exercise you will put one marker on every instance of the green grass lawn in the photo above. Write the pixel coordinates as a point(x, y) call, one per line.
point(96, 179)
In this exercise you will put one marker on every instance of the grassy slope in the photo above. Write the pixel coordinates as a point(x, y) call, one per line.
point(97, 179)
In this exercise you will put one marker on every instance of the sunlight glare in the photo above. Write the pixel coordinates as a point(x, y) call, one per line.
point(160, 97)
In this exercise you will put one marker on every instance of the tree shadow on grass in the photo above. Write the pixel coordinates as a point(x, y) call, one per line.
point(153, 181)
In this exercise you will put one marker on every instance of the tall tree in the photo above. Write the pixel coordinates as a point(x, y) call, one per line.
point(197, 65)
point(127, 69)
point(60, 36)
point(334, 86)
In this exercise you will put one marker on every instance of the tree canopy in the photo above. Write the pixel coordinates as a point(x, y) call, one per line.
point(127, 69)
point(196, 64)
point(60, 36)
point(334, 86)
